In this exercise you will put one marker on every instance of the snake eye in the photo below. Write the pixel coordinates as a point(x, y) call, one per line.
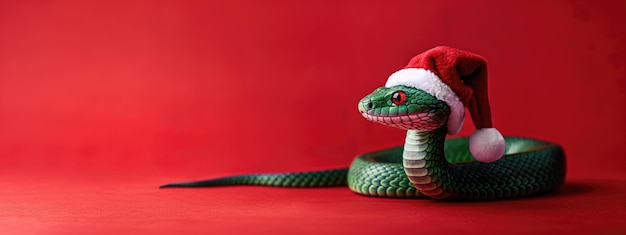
point(398, 97)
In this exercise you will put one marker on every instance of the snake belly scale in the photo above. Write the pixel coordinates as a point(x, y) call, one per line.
point(428, 164)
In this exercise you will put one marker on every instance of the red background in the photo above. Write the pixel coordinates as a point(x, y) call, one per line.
point(100, 102)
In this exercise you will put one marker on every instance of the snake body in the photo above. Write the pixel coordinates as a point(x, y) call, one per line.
point(428, 165)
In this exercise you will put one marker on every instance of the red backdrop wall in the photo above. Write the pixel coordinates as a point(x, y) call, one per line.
point(185, 89)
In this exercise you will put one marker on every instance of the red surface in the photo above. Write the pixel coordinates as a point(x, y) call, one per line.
point(100, 102)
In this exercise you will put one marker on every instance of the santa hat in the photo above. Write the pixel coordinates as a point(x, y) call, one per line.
point(458, 78)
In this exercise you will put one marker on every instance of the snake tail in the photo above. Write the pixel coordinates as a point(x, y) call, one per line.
point(323, 178)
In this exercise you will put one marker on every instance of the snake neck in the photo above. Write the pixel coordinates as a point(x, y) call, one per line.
point(423, 159)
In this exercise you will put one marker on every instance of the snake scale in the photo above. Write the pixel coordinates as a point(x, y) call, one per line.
point(428, 165)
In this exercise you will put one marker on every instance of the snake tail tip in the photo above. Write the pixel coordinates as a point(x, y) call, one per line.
point(167, 186)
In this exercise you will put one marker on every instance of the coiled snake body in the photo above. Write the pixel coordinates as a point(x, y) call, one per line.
point(428, 164)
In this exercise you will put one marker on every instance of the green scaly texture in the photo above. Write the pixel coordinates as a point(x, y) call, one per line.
point(529, 166)
point(327, 178)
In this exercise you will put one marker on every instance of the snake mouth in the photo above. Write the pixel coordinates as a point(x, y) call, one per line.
point(422, 121)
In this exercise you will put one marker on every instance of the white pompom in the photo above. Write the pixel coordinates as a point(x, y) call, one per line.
point(487, 144)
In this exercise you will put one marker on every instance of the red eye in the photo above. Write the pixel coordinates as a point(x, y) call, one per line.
point(398, 97)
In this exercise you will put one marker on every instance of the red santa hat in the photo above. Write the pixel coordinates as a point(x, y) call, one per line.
point(458, 78)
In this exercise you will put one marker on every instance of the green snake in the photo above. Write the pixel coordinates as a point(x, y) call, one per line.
point(428, 165)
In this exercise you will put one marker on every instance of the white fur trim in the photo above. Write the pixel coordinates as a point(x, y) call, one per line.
point(429, 82)
point(487, 144)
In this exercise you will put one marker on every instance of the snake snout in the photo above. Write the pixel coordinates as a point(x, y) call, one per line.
point(365, 105)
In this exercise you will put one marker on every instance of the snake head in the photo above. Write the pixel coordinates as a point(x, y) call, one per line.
point(405, 108)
